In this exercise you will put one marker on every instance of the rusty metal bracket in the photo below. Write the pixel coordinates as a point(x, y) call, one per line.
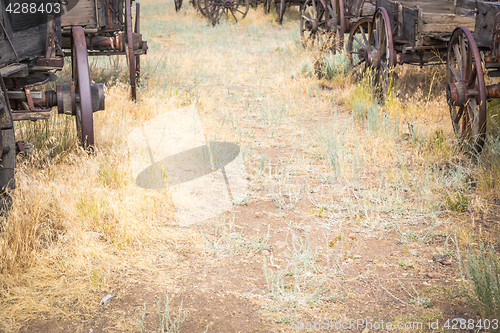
point(29, 98)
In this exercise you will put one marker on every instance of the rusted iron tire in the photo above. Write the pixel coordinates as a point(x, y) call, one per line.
point(81, 78)
point(8, 157)
point(178, 5)
point(130, 48)
point(358, 42)
point(381, 56)
point(231, 9)
point(466, 90)
point(200, 4)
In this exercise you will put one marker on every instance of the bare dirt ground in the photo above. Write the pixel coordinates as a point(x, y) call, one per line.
point(344, 219)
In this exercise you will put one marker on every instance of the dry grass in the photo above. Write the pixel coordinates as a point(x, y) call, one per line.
point(383, 168)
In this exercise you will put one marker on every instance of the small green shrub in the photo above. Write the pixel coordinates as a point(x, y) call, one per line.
point(459, 203)
point(482, 272)
point(331, 66)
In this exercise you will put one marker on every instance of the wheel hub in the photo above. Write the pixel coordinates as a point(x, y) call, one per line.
point(373, 58)
point(456, 93)
point(311, 25)
point(228, 4)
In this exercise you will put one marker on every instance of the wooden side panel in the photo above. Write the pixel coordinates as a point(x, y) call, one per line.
point(485, 22)
point(410, 23)
point(442, 25)
point(101, 12)
point(391, 7)
point(82, 13)
point(464, 7)
point(28, 40)
point(353, 7)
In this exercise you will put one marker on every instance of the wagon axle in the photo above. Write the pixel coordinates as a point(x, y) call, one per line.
point(33, 105)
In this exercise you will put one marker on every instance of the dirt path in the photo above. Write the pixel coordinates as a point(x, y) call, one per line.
point(342, 221)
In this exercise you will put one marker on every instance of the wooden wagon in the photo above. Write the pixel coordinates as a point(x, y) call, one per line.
point(109, 30)
point(471, 59)
point(405, 32)
point(30, 56)
point(324, 23)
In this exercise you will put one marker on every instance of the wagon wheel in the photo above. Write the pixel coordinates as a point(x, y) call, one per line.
point(314, 26)
point(231, 9)
point(200, 4)
point(81, 79)
point(357, 44)
point(280, 10)
point(178, 5)
point(466, 91)
point(380, 57)
point(8, 153)
point(130, 49)
point(321, 25)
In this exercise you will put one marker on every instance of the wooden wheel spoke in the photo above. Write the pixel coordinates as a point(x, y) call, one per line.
point(239, 11)
point(363, 34)
point(458, 57)
point(234, 16)
point(309, 9)
point(455, 73)
point(464, 55)
point(358, 41)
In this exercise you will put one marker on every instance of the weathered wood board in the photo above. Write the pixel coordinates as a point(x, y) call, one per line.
point(423, 20)
point(83, 13)
point(28, 35)
point(485, 21)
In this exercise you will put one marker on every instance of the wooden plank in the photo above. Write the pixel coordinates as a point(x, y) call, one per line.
point(485, 21)
point(82, 13)
point(443, 25)
point(464, 7)
point(431, 6)
point(22, 21)
point(27, 43)
point(368, 9)
point(353, 7)
point(410, 23)
point(20, 69)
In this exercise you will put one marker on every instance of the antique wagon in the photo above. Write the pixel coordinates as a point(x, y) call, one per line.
point(109, 30)
point(472, 60)
point(405, 32)
point(324, 23)
point(30, 55)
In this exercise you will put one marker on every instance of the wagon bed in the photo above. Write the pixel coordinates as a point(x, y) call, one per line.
point(426, 24)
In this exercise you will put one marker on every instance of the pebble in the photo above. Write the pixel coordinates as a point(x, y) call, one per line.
point(94, 234)
point(106, 299)
point(280, 244)
point(265, 252)
point(440, 258)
